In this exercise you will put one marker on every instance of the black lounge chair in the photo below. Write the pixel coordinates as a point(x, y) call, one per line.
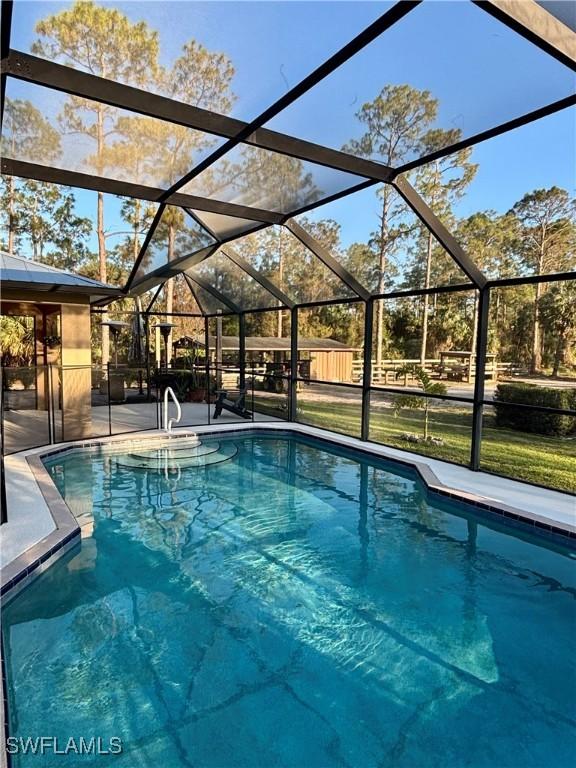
point(234, 405)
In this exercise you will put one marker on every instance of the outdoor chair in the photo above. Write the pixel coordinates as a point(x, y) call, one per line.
point(235, 405)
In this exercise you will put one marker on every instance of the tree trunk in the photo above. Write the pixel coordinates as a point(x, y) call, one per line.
point(536, 363)
point(11, 217)
point(138, 346)
point(558, 354)
point(170, 294)
point(103, 274)
point(100, 232)
point(381, 283)
point(426, 302)
point(474, 325)
point(279, 329)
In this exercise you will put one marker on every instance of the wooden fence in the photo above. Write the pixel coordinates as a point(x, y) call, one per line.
point(386, 372)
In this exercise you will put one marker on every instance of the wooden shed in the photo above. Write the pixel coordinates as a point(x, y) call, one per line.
point(330, 360)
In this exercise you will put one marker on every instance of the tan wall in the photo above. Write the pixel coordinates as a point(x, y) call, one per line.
point(331, 366)
point(76, 382)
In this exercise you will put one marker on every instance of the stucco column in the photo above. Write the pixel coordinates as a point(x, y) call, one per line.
point(40, 353)
point(76, 374)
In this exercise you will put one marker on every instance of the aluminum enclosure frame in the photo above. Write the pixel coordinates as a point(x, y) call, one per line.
point(22, 66)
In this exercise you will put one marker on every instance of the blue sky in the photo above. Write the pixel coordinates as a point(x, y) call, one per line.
point(480, 72)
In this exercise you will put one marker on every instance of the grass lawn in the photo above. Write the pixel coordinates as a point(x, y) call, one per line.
point(549, 461)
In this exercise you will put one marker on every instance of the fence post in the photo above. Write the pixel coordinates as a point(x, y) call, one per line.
point(367, 367)
point(481, 350)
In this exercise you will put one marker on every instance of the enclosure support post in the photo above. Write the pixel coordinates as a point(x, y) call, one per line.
point(293, 361)
point(367, 367)
point(242, 348)
point(3, 502)
point(481, 350)
point(207, 361)
point(146, 318)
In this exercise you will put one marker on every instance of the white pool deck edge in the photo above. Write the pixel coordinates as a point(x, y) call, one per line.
point(30, 520)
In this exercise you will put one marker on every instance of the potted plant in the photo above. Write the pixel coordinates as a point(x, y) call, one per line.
point(197, 387)
point(52, 344)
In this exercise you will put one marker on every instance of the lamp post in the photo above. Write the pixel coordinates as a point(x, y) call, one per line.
point(115, 326)
point(165, 329)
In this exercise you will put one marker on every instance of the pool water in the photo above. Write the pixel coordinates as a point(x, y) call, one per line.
point(294, 605)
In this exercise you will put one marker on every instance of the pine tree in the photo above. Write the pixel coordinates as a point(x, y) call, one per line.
point(395, 122)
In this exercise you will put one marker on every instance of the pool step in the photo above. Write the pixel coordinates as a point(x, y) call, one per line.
point(172, 459)
point(177, 452)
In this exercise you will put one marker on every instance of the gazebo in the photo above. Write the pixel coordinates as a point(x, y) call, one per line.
point(59, 303)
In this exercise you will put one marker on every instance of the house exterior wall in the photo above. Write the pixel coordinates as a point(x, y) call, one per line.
point(76, 381)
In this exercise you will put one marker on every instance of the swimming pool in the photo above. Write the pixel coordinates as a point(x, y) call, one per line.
point(275, 601)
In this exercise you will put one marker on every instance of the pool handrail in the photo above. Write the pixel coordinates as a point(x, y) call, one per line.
point(168, 422)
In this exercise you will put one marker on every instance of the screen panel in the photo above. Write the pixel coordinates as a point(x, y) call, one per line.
point(90, 137)
point(446, 66)
point(233, 283)
point(224, 227)
point(260, 178)
point(278, 255)
point(382, 243)
point(212, 55)
point(176, 235)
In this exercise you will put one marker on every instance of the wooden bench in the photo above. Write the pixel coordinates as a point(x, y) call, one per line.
point(234, 405)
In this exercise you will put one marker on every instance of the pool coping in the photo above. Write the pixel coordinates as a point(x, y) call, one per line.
point(16, 574)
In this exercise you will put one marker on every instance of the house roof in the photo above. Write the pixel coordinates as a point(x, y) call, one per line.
point(22, 273)
point(275, 344)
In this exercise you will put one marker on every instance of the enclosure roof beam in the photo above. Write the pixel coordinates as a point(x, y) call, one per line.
point(5, 33)
point(26, 170)
point(212, 291)
point(170, 269)
point(434, 225)
point(144, 246)
point(156, 294)
point(533, 22)
point(196, 297)
point(326, 258)
point(24, 66)
point(255, 275)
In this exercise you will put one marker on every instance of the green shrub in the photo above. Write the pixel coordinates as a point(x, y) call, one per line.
point(535, 421)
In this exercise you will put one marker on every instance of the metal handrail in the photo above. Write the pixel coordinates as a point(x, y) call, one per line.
point(168, 422)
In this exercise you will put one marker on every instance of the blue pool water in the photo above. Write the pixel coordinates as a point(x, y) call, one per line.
point(292, 606)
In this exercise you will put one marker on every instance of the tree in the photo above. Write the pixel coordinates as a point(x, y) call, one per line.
point(26, 134)
point(199, 77)
point(547, 243)
point(440, 183)
point(271, 181)
point(428, 386)
point(557, 312)
point(17, 344)
point(395, 122)
point(57, 234)
point(106, 43)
